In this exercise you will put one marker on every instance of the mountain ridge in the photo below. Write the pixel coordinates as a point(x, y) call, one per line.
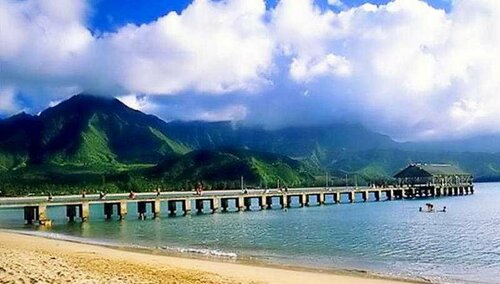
point(89, 138)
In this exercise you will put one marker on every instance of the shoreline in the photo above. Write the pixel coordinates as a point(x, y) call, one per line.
point(219, 270)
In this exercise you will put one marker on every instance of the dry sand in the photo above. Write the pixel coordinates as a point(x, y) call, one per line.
point(31, 259)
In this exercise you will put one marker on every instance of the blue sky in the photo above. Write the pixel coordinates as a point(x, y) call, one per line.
point(108, 15)
point(412, 69)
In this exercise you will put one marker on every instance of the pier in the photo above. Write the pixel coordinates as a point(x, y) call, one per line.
point(115, 206)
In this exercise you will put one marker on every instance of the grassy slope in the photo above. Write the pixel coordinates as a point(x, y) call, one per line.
point(229, 165)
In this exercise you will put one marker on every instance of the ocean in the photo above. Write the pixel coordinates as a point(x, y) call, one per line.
point(389, 238)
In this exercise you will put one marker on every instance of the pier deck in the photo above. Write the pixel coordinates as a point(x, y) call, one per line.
point(78, 208)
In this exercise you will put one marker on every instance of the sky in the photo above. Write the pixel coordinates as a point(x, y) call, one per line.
point(412, 69)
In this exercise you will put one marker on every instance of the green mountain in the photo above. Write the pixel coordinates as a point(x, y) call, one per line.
point(89, 130)
point(298, 142)
point(380, 164)
point(100, 142)
point(19, 140)
point(86, 130)
point(223, 168)
point(93, 142)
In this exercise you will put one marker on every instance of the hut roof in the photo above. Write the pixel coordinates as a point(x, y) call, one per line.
point(429, 170)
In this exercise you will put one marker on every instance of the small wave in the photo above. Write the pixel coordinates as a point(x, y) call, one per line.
point(205, 252)
point(63, 237)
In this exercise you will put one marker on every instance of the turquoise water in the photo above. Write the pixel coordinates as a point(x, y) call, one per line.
point(390, 237)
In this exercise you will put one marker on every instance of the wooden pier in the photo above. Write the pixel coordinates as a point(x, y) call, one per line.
point(115, 206)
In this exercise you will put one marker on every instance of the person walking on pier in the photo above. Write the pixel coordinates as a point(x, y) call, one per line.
point(131, 195)
point(102, 195)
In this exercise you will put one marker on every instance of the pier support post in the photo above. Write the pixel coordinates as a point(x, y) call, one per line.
point(122, 209)
point(365, 196)
point(224, 204)
point(42, 216)
point(401, 194)
point(471, 189)
point(186, 206)
point(412, 192)
point(263, 202)
point(240, 203)
point(214, 204)
point(84, 211)
point(377, 195)
point(156, 208)
point(141, 209)
point(284, 201)
point(108, 210)
point(269, 202)
point(71, 212)
point(389, 193)
point(172, 207)
point(336, 198)
point(321, 198)
point(247, 201)
point(30, 214)
point(352, 196)
point(304, 200)
point(199, 205)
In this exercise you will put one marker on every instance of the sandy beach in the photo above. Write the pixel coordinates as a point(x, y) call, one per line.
point(31, 259)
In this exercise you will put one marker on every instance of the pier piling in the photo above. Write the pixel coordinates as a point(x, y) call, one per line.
point(71, 212)
point(35, 213)
point(186, 206)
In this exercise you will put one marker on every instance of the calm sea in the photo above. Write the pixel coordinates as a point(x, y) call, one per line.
point(390, 238)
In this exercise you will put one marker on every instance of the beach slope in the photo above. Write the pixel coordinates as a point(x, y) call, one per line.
point(31, 259)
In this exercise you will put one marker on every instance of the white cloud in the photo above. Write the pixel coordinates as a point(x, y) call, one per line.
point(331, 64)
point(7, 100)
point(336, 3)
point(41, 40)
point(229, 113)
point(409, 69)
point(211, 47)
point(139, 102)
point(405, 68)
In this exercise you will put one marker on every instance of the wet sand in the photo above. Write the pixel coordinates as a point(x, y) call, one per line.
point(33, 259)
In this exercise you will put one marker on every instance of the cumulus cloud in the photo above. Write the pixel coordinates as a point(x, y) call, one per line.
point(411, 70)
point(211, 47)
point(405, 68)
